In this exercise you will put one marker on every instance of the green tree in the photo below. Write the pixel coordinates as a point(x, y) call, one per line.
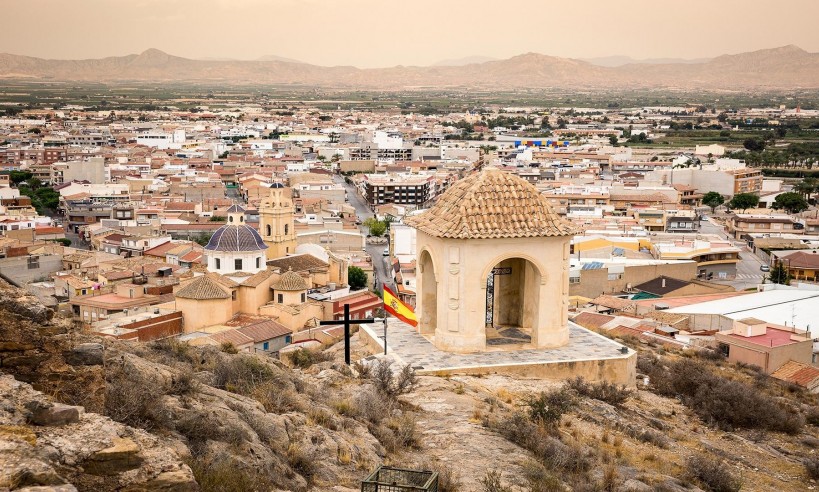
point(779, 274)
point(377, 227)
point(791, 201)
point(744, 201)
point(613, 140)
point(754, 144)
point(713, 199)
point(356, 277)
point(18, 177)
point(218, 218)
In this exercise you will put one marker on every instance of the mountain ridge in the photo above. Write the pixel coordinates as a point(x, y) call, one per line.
point(781, 67)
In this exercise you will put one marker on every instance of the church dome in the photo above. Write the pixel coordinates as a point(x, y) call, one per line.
point(492, 204)
point(236, 238)
point(291, 281)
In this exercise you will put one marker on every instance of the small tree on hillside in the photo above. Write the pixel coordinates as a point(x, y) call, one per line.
point(356, 277)
point(792, 202)
point(713, 199)
point(744, 201)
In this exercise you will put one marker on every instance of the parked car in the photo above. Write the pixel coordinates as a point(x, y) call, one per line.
point(765, 268)
point(386, 252)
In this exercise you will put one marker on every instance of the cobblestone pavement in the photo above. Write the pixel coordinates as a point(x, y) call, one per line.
point(407, 346)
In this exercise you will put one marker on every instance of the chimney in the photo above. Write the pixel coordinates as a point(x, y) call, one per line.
point(663, 283)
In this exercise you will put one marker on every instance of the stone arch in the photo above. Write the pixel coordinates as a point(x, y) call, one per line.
point(541, 269)
point(427, 296)
point(513, 298)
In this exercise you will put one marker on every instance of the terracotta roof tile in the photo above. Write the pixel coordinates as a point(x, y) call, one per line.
point(799, 373)
point(492, 204)
point(204, 287)
point(298, 263)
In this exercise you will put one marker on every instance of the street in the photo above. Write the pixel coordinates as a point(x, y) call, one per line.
point(748, 273)
point(381, 263)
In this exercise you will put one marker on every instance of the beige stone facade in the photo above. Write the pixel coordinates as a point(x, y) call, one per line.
point(276, 223)
point(492, 256)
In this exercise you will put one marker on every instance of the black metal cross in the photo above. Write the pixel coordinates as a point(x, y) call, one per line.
point(347, 322)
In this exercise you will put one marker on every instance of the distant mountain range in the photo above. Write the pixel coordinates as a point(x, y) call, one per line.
point(619, 60)
point(785, 67)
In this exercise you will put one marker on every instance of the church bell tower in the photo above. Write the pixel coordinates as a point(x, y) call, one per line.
point(276, 223)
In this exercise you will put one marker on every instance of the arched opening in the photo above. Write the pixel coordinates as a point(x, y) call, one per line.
point(427, 295)
point(268, 230)
point(512, 300)
point(230, 218)
point(286, 228)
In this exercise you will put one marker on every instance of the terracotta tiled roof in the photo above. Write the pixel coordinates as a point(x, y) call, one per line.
point(204, 287)
point(232, 336)
point(291, 281)
point(799, 373)
point(591, 320)
point(265, 330)
point(257, 278)
point(298, 263)
point(612, 302)
point(492, 204)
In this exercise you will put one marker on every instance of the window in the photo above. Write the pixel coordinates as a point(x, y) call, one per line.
point(237, 263)
point(230, 218)
point(258, 262)
point(288, 339)
point(286, 228)
point(280, 298)
point(303, 297)
point(266, 346)
point(574, 280)
point(218, 264)
point(233, 295)
point(269, 230)
point(33, 262)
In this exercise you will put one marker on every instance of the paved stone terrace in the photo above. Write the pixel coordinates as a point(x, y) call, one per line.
point(410, 347)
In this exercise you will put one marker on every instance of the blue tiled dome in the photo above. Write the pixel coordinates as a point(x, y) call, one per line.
point(236, 238)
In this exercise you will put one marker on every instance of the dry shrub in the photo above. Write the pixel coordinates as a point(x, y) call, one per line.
point(405, 430)
point(201, 427)
point(276, 397)
point(371, 407)
point(176, 349)
point(712, 474)
point(225, 476)
point(550, 451)
point(538, 479)
point(184, 382)
point(242, 374)
point(228, 348)
point(604, 391)
point(812, 416)
point(448, 478)
point(611, 479)
point(547, 407)
point(301, 461)
point(723, 402)
point(491, 482)
point(304, 358)
point(812, 467)
point(389, 384)
point(135, 399)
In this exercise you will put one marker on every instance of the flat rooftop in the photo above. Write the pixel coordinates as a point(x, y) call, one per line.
point(772, 338)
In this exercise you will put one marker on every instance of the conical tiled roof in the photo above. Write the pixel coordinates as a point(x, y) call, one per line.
point(491, 204)
point(291, 281)
point(204, 287)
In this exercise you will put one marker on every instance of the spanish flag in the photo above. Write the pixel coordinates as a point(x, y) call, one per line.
point(398, 309)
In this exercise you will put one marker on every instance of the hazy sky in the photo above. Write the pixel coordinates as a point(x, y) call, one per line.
point(370, 33)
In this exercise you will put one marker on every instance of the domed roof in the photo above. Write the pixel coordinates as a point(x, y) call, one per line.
point(492, 204)
point(291, 281)
point(236, 238)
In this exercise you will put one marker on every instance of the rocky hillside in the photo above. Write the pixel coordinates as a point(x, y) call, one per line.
point(786, 67)
point(97, 415)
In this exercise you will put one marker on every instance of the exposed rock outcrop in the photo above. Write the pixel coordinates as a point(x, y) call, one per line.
point(48, 446)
